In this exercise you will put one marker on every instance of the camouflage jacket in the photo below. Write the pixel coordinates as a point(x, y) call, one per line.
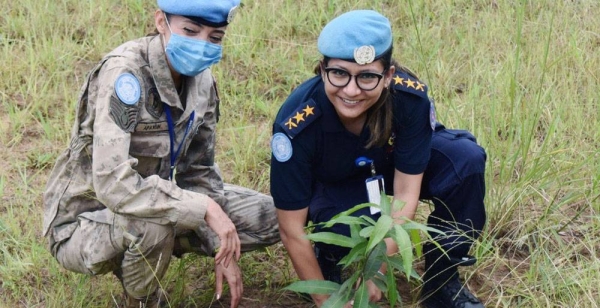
point(119, 154)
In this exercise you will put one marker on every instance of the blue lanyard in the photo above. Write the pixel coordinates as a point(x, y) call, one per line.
point(172, 137)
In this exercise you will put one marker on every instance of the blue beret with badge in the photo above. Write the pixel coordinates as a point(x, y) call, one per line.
point(361, 36)
point(212, 13)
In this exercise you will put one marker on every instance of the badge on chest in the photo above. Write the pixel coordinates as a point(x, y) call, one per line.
point(374, 185)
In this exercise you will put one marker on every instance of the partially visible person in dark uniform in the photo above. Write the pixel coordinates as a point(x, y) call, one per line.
point(138, 182)
point(362, 105)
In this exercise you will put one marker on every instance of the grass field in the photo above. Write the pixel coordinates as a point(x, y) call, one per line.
point(523, 76)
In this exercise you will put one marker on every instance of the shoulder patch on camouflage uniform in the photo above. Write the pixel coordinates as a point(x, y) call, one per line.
point(124, 102)
point(154, 105)
point(406, 83)
point(300, 118)
point(127, 88)
point(125, 116)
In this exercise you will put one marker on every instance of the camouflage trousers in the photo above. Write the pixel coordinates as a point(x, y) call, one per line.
point(139, 251)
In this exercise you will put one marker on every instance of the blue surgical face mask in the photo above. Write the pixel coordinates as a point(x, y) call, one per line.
point(191, 57)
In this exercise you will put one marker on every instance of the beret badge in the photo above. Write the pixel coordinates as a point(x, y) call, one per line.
point(232, 12)
point(364, 54)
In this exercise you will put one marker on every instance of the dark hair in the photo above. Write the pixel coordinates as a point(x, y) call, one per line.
point(380, 115)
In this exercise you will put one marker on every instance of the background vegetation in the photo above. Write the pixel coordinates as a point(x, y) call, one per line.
point(521, 75)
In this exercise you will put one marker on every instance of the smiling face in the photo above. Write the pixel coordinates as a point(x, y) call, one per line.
point(350, 101)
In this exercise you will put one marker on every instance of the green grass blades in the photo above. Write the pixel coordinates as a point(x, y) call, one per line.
point(521, 75)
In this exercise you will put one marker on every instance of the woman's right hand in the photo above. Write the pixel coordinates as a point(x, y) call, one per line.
point(219, 222)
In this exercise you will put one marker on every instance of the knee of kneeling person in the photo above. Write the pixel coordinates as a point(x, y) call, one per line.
point(473, 156)
point(141, 233)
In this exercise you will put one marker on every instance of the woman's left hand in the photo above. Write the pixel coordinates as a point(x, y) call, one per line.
point(233, 275)
point(375, 293)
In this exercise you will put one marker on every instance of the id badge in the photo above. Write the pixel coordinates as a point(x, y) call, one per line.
point(374, 188)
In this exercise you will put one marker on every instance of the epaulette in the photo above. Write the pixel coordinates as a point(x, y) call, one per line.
point(300, 118)
point(404, 82)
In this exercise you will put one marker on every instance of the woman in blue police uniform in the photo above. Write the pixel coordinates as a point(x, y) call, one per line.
point(363, 105)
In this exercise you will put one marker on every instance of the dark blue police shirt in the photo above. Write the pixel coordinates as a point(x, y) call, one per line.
point(321, 171)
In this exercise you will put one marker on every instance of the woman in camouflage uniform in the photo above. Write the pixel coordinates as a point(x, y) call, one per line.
point(138, 182)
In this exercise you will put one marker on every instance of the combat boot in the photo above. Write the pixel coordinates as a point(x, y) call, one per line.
point(448, 294)
point(442, 287)
point(132, 302)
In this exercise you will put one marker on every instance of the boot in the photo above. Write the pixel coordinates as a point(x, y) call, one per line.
point(132, 302)
point(156, 300)
point(442, 287)
point(448, 294)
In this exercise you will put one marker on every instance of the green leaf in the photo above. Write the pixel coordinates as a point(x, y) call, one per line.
point(381, 283)
point(350, 282)
point(333, 238)
point(411, 225)
point(361, 297)
point(392, 292)
point(374, 261)
point(339, 298)
point(415, 275)
point(336, 300)
point(313, 287)
point(395, 261)
point(385, 205)
point(403, 240)
point(347, 220)
point(355, 231)
point(366, 231)
point(382, 227)
point(357, 253)
point(368, 219)
point(415, 238)
point(352, 210)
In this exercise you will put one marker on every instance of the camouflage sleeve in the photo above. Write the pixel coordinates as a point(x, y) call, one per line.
point(197, 171)
point(116, 183)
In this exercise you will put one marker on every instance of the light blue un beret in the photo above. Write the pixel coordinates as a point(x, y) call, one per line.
point(213, 13)
point(361, 36)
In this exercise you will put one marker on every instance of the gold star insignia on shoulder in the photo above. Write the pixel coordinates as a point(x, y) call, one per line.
point(407, 83)
point(398, 80)
point(290, 124)
point(308, 110)
point(300, 118)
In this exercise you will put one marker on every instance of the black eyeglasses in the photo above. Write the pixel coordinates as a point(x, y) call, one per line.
point(364, 81)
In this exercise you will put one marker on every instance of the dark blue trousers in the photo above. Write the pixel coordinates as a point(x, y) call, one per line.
point(454, 182)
